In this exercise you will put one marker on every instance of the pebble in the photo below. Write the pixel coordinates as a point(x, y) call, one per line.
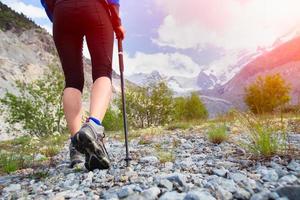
point(198, 195)
point(125, 192)
point(172, 196)
point(12, 188)
point(201, 170)
point(165, 183)
point(290, 192)
point(294, 166)
point(220, 172)
point(149, 159)
point(178, 178)
point(151, 193)
point(288, 179)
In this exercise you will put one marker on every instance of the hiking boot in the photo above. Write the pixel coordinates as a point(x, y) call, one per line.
point(75, 156)
point(89, 141)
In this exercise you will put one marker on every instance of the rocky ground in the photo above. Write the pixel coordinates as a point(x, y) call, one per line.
point(167, 167)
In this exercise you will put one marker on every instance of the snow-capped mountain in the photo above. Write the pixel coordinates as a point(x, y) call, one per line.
point(144, 79)
point(283, 60)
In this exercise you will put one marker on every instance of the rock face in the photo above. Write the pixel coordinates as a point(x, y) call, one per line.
point(214, 172)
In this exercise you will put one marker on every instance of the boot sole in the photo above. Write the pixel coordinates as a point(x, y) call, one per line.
point(94, 153)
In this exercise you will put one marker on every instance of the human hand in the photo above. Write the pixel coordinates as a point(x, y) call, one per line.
point(120, 32)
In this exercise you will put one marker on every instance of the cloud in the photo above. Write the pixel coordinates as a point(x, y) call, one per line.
point(27, 9)
point(170, 64)
point(229, 24)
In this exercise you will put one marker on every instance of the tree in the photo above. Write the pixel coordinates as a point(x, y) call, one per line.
point(38, 106)
point(194, 108)
point(267, 93)
point(179, 108)
point(147, 106)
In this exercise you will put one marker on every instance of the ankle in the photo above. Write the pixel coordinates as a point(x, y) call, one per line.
point(94, 119)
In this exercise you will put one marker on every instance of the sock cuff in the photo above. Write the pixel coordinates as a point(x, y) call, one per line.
point(97, 121)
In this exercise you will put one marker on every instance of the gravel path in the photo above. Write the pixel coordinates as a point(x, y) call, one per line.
point(199, 170)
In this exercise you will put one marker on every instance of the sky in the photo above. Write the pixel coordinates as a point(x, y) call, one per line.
point(181, 38)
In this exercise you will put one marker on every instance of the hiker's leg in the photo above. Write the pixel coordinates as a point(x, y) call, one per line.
point(100, 38)
point(72, 109)
point(100, 97)
point(69, 43)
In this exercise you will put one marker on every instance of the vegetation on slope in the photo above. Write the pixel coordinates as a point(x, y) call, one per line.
point(10, 20)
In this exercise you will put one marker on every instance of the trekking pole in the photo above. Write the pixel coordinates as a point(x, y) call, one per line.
point(121, 65)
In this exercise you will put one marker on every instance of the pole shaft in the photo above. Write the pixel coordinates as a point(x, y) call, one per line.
point(121, 65)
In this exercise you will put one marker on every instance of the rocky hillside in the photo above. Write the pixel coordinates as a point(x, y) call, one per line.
point(285, 60)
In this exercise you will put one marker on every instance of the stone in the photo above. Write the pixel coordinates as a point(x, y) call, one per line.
point(151, 193)
point(220, 172)
point(226, 184)
point(149, 159)
point(75, 195)
point(12, 188)
point(109, 196)
point(186, 163)
point(269, 175)
point(294, 166)
point(169, 165)
point(165, 183)
point(125, 192)
point(242, 194)
point(238, 177)
point(288, 179)
point(264, 195)
point(198, 195)
point(223, 194)
point(290, 192)
point(178, 178)
point(187, 145)
point(172, 196)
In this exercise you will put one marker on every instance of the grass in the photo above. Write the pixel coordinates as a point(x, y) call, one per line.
point(217, 134)
point(20, 153)
point(165, 156)
point(266, 138)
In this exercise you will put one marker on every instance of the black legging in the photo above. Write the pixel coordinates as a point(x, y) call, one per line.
point(74, 19)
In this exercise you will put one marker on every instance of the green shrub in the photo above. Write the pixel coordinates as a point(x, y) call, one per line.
point(217, 134)
point(265, 140)
point(165, 156)
point(148, 106)
point(194, 108)
point(267, 93)
point(113, 120)
point(38, 106)
point(189, 108)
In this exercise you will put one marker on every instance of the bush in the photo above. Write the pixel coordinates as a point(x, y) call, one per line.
point(265, 140)
point(217, 134)
point(266, 94)
point(113, 120)
point(38, 107)
point(149, 106)
point(189, 108)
